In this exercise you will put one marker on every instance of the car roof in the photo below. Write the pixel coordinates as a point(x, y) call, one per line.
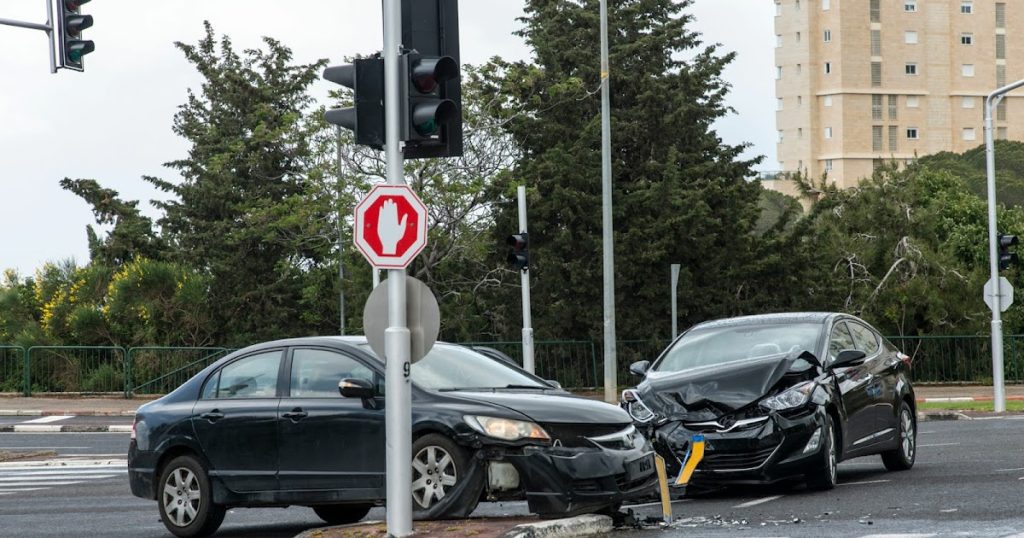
point(770, 319)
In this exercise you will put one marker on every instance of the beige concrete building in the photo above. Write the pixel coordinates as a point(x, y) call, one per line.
point(861, 82)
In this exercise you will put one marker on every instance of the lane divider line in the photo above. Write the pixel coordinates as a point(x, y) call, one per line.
point(758, 501)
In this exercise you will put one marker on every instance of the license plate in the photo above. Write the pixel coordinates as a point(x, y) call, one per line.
point(640, 467)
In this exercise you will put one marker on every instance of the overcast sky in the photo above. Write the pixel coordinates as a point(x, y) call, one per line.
point(121, 108)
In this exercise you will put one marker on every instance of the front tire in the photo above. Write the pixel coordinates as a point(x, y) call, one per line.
point(827, 477)
point(441, 469)
point(186, 501)
point(903, 457)
point(342, 514)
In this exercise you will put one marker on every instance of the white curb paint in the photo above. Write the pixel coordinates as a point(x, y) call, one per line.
point(120, 428)
point(35, 428)
point(941, 400)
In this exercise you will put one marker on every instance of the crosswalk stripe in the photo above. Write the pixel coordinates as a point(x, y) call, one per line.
point(51, 478)
point(63, 472)
point(48, 419)
point(19, 484)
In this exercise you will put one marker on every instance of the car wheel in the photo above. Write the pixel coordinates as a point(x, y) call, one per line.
point(340, 514)
point(443, 485)
point(902, 458)
point(186, 500)
point(826, 477)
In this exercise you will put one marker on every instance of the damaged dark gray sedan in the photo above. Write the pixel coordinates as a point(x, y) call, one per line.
point(301, 422)
point(777, 397)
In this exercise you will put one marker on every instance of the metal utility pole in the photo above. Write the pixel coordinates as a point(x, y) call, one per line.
point(675, 297)
point(528, 364)
point(341, 248)
point(397, 342)
point(991, 102)
point(610, 363)
point(48, 28)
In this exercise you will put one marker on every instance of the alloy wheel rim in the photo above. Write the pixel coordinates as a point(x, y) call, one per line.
point(832, 471)
point(433, 475)
point(907, 434)
point(181, 497)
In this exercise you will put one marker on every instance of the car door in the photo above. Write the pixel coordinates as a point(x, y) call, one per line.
point(882, 386)
point(235, 421)
point(853, 385)
point(329, 442)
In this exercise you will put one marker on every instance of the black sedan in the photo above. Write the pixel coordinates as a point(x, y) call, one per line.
point(777, 397)
point(301, 422)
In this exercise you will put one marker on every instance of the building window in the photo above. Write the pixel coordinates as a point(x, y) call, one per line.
point(824, 5)
point(828, 133)
point(876, 11)
point(1000, 15)
point(1000, 75)
point(893, 103)
point(966, 7)
point(1001, 133)
point(912, 133)
point(910, 38)
point(910, 6)
point(828, 100)
point(876, 107)
point(877, 164)
point(893, 135)
point(910, 69)
point(968, 134)
point(1000, 46)
point(876, 138)
point(967, 102)
point(876, 42)
point(876, 74)
point(828, 165)
point(778, 72)
point(912, 101)
point(967, 70)
point(828, 36)
point(966, 39)
point(1001, 111)
point(828, 68)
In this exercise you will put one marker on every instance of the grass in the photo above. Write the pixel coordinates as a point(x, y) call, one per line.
point(1011, 405)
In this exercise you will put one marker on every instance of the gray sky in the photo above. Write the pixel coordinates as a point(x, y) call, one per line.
point(136, 79)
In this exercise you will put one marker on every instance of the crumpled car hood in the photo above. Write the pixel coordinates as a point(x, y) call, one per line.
point(707, 393)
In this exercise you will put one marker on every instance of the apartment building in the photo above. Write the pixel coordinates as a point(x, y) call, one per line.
point(862, 82)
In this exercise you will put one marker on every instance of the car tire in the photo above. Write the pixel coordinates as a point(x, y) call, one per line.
point(444, 485)
point(826, 477)
point(341, 514)
point(185, 499)
point(902, 458)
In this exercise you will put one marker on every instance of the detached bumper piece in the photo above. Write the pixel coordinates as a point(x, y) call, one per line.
point(567, 481)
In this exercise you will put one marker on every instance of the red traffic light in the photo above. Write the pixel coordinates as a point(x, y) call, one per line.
point(426, 73)
point(519, 254)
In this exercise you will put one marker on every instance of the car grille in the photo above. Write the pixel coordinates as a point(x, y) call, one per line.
point(736, 461)
point(574, 435)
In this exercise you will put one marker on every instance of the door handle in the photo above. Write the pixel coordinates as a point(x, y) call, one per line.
point(213, 416)
point(295, 414)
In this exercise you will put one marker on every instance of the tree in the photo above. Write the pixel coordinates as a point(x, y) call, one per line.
point(132, 234)
point(680, 194)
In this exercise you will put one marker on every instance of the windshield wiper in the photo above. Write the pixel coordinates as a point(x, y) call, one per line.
point(511, 386)
point(534, 387)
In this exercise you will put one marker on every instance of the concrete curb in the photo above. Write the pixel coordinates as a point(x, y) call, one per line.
point(941, 415)
point(569, 527)
point(50, 412)
point(67, 428)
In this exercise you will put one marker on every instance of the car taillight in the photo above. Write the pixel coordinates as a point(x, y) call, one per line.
point(134, 422)
point(904, 357)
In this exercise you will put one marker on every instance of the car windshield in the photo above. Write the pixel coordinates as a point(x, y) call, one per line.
point(449, 367)
point(721, 345)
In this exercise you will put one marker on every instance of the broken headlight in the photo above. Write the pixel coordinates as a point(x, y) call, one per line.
point(506, 429)
point(793, 397)
point(636, 407)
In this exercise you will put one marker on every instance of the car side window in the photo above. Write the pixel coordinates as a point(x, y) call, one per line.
point(865, 339)
point(254, 376)
point(839, 340)
point(210, 390)
point(316, 372)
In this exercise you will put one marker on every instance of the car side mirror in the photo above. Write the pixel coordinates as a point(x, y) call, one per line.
point(553, 383)
point(639, 368)
point(355, 388)
point(848, 357)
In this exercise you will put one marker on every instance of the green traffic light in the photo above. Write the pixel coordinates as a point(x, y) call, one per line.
point(78, 49)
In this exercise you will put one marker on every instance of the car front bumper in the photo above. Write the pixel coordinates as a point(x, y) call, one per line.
point(773, 450)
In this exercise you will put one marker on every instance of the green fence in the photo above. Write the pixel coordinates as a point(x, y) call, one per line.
point(961, 359)
point(75, 369)
point(573, 363)
point(12, 369)
point(159, 370)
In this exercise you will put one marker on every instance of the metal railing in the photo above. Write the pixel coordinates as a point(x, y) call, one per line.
point(86, 369)
point(12, 369)
point(159, 370)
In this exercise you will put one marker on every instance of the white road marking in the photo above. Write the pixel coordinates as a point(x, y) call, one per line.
point(899, 535)
point(1008, 470)
point(64, 463)
point(51, 478)
point(103, 470)
point(938, 444)
point(68, 483)
point(758, 501)
point(864, 482)
point(48, 419)
point(51, 447)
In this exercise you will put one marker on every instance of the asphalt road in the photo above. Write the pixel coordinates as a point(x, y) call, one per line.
point(968, 481)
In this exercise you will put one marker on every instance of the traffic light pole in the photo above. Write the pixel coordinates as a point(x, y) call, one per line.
point(991, 102)
point(48, 28)
point(528, 364)
point(397, 342)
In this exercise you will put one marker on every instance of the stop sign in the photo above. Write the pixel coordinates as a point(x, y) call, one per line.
point(391, 226)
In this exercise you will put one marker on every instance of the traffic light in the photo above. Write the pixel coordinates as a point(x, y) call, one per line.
point(1006, 256)
point(70, 23)
point(519, 252)
point(366, 119)
point(432, 90)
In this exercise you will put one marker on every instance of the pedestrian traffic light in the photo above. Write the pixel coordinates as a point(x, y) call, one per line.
point(365, 77)
point(519, 252)
point(1006, 256)
point(70, 23)
point(432, 90)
